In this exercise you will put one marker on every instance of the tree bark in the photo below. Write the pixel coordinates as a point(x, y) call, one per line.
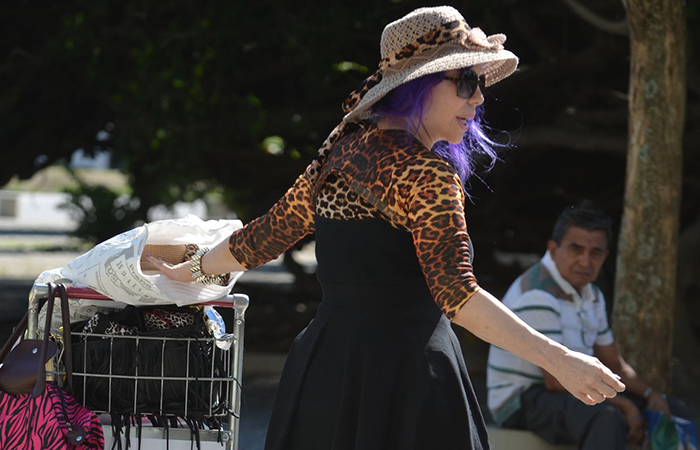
point(645, 287)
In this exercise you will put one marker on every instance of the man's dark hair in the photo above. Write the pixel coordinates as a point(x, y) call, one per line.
point(585, 216)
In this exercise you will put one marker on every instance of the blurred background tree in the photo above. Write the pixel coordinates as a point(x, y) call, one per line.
point(101, 212)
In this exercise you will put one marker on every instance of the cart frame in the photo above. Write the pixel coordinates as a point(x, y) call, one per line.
point(238, 302)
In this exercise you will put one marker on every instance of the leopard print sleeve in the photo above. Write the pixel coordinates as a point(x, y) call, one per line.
point(435, 206)
point(271, 234)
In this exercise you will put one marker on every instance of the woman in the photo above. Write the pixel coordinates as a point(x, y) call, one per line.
point(379, 367)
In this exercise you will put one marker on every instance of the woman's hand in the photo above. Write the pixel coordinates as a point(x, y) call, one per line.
point(218, 260)
point(586, 377)
point(178, 272)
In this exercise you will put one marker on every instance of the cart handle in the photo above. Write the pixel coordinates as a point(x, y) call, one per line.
point(91, 294)
point(239, 302)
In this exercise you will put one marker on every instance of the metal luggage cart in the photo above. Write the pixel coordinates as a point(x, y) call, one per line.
point(227, 398)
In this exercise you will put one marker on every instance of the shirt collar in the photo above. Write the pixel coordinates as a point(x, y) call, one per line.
point(587, 292)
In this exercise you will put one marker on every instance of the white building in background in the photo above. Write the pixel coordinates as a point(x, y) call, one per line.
point(40, 211)
point(178, 210)
point(22, 210)
point(33, 207)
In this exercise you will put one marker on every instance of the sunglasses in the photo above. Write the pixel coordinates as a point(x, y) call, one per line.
point(467, 82)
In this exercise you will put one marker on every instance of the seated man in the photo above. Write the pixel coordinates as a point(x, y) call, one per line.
point(556, 297)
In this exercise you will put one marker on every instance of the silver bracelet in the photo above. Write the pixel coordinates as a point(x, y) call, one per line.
point(196, 269)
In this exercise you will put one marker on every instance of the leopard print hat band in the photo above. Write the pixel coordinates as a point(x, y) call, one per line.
point(429, 40)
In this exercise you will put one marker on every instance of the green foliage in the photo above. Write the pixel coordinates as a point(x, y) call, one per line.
point(100, 212)
point(192, 91)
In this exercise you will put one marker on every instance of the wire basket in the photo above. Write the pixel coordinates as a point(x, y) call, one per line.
point(167, 379)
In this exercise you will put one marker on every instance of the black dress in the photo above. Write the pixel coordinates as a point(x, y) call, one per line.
point(379, 367)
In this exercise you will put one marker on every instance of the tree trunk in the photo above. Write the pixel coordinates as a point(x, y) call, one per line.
point(645, 285)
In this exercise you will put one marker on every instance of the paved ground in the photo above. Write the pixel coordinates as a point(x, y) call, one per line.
point(256, 405)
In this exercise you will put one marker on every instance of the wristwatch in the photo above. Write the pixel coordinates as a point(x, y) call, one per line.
point(648, 391)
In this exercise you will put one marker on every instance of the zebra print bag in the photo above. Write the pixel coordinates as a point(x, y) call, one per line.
point(48, 418)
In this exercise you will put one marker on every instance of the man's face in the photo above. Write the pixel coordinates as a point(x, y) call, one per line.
point(580, 255)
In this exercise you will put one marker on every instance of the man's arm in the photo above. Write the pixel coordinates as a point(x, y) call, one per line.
point(633, 418)
point(551, 383)
point(611, 357)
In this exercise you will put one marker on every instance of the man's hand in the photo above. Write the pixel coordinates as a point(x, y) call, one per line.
point(634, 419)
point(658, 402)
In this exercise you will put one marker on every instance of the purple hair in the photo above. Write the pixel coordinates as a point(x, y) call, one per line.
point(407, 101)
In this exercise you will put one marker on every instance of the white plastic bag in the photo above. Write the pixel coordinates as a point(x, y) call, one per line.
point(113, 268)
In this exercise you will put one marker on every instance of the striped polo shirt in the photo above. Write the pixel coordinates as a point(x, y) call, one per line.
point(548, 303)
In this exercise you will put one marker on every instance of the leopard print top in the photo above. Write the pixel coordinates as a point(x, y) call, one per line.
point(377, 173)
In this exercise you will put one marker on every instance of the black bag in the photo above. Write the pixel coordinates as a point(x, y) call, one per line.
point(19, 365)
point(149, 360)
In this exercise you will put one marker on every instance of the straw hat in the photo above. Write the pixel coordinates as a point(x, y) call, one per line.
point(425, 41)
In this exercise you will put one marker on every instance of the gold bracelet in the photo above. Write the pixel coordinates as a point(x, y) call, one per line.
point(196, 269)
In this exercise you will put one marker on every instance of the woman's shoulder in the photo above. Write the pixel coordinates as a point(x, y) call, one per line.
point(389, 148)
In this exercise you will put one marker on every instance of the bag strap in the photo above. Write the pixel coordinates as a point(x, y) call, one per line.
point(67, 339)
point(18, 331)
point(41, 375)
